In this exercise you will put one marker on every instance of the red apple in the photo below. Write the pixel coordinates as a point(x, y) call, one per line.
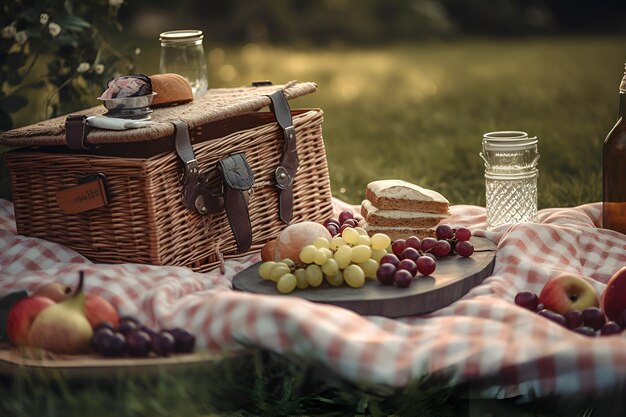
point(55, 291)
point(21, 317)
point(567, 292)
point(614, 295)
point(99, 310)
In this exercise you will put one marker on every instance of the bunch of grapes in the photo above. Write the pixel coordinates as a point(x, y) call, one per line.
point(589, 322)
point(350, 257)
point(135, 339)
point(412, 256)
point(344, 220)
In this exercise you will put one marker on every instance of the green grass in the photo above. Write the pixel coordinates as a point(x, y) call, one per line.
point(418, 111)
point(415, 112)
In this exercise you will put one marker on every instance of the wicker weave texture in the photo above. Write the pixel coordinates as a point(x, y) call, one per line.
point(146, 221)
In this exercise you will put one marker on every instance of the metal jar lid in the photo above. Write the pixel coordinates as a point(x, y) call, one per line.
point(177, 37)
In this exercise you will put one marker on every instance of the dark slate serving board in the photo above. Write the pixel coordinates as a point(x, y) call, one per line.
point(452, 279)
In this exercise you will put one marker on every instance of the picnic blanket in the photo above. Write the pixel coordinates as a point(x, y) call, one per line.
point(482, 337)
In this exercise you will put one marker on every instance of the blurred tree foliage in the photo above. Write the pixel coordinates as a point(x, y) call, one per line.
point(325, 22)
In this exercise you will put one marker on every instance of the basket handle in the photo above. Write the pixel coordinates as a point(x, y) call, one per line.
point(237, 181)
point(286, 170)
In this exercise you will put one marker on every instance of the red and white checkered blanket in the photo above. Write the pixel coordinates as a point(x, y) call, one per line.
point(481, 337)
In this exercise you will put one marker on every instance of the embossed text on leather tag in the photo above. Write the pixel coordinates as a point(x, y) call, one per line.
point(85, 196)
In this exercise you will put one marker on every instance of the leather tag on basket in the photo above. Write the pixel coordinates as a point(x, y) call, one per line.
point(91, 193)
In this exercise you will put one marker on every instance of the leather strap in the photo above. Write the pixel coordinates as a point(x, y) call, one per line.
point(286, 170)
point(238, 179)
point(76, 129)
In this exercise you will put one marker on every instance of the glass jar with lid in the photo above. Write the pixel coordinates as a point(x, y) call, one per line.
point(182, 53)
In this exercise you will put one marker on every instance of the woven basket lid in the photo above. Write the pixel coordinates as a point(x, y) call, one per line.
point(216, 104)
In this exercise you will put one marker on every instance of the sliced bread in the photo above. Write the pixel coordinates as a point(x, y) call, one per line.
point(377, 217)
point(403, 195)
point(399, 232)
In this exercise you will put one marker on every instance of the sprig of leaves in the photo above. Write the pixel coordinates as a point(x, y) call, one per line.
point(55, 55)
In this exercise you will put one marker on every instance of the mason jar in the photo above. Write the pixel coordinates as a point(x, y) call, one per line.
point(182, 53)
point(511, 159)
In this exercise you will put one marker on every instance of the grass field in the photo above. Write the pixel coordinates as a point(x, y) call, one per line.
point(418, 112)
point(415, 112)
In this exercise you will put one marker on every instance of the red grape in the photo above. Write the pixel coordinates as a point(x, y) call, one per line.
point(332, 229)
point(403, 278)
point(345, 215)
point(390, 258)
point(551, 315)
point(408, 265)
point(138, 343)
point(397, 246)
point(164, 343)
point(426, 265)
point(444, 231)
point(428, 244)
point(115, 345)
point(586, 331)
point(527, 300)
point(465, 248)
point(594, 317)
point(385, 273)
point(462, 234)
point(126, 326)
point(350, 222)
point(573, 319)
point(332, 221)
point(609, 328)
point(410, 253)
point(442, 248)
point(431, 255)
point(413, 242)
point(185, 341)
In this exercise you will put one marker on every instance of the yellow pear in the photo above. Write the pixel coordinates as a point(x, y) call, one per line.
point(63, 327)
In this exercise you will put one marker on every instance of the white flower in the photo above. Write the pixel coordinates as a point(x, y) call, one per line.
point(54, 29)
point(8, 31)
point(43, 18)
point(115, 2)
point(137, 51)
point(21, 37)
point(83, 67)
point(98, 68)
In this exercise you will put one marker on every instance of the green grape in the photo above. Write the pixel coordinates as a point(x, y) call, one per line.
point(287, 283)
point(343, 256)
point(335, 280)
point(266, 268)
point(377, 254)
point(350, 235)
point(369, 267)
point(364, 240)
point(300, 274)
point(307, 254)
point(322, 255)
point(380, 241)
point(361, 231)
point(361, 253)
point(278, 271)
point(330, 268)
point(336, 242)
point(354, 276)
point(291, 264)
point(314, 275)
point(320, 242)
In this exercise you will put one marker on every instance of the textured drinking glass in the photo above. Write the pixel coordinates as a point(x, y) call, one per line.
point(182, 53)
point(510, 177)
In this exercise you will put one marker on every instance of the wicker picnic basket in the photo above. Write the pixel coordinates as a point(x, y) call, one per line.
point(134, 198)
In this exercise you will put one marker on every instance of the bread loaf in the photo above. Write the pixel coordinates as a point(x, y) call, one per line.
point(402, 195)
point(171, 89)
point(375, 216)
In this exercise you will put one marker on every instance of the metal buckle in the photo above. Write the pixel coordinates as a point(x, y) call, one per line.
point(283, 179)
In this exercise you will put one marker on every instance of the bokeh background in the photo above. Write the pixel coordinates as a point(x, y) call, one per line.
point(408, 87)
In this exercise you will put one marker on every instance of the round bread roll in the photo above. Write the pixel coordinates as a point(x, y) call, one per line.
point(171, 89)
point(294, 237)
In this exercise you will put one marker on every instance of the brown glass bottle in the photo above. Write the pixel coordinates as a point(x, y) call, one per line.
point(614, 170)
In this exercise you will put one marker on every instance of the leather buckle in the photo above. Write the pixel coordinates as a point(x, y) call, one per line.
point(283, 179)
point(76, 129)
